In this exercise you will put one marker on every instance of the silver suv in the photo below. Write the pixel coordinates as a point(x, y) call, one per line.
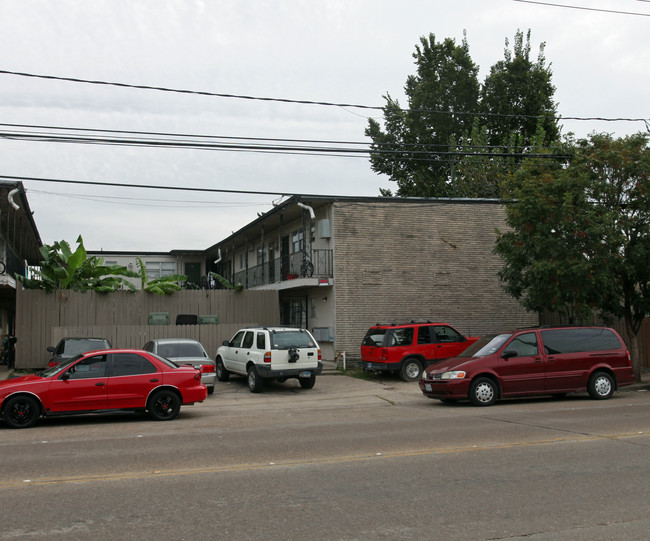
point(270, 353)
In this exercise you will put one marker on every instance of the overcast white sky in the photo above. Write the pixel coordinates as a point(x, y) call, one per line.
point(342, 51)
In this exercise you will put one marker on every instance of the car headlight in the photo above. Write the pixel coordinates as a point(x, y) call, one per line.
point(455, 374)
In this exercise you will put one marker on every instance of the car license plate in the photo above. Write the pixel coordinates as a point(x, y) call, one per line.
point(427, 387)
point(305, 374)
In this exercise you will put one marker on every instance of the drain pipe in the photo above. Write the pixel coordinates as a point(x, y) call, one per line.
point(312, 215)
point(10, 197)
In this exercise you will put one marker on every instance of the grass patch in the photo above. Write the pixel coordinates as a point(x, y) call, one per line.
point(359, 374)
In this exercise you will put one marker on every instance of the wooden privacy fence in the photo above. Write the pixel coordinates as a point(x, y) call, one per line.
point(42, 319)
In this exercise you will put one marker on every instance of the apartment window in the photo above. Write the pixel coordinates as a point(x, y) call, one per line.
point(298, 239)
point(158, 269)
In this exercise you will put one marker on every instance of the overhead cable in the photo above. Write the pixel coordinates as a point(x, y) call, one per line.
point(308, 102)
point(583, 8)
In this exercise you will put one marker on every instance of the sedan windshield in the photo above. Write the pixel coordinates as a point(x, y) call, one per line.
point(60, 367)
point(486, 345)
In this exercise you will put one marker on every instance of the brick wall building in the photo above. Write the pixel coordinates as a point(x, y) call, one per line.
point(375, 260)
point(399, 260)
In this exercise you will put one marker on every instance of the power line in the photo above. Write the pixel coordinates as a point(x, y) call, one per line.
point(584, 8)
point(265, 146)
point(185, 91)
point(149, 202)
point(149, 186)
point(310, 102)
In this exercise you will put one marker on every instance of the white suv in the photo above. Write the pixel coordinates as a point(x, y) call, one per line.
point(266, 353)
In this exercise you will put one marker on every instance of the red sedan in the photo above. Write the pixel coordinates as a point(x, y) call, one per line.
point(114, 379)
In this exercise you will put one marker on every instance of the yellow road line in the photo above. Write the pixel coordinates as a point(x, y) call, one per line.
point(306, 462)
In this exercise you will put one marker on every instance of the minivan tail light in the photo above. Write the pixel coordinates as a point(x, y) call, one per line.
point(629, 359)
point(267, 357)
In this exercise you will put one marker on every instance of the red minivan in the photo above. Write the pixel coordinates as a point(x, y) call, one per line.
point(409, 348)
point(535, 361)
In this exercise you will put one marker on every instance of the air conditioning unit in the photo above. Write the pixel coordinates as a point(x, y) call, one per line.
point(324, 229)
point(323, 334)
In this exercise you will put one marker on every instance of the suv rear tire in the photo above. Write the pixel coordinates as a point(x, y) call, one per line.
point(307, 383)
point(411, 369)
point(255, 382)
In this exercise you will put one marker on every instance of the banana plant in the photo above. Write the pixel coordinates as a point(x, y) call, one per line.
point(165, 285)
point(227, 283)
point(61, 268)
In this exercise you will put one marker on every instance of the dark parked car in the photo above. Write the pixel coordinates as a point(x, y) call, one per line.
point(535, 361)
point(115, 379)
point(69, 347)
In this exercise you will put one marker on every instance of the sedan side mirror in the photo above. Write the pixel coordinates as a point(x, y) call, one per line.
point(226, 343)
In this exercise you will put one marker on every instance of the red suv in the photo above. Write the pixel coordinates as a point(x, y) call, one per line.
point(411, 347)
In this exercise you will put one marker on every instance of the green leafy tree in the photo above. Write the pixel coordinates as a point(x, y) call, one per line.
point(459, 138)
point(580, 238)
point(165, 285)
point(412, 149)
point(61, 268)
point(517, 96)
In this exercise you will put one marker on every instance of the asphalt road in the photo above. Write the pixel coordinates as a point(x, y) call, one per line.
point(347, 460)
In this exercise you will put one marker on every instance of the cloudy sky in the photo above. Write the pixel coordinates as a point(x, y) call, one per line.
point(334, 51)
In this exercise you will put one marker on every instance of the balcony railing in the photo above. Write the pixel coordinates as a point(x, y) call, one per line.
point(319, 265)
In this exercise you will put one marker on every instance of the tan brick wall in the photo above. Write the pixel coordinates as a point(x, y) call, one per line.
point(394, 262)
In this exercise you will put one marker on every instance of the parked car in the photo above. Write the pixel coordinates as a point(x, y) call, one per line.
point(186, 351)
point(411, 347)
point(535, 361)
point(71, 346)
point(114, 379)
point(270, 353)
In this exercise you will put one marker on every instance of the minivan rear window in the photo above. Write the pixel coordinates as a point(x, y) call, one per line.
point(576, 340)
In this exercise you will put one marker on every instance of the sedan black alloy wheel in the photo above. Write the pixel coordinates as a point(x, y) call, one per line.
point(164, 405)
point(21, 412)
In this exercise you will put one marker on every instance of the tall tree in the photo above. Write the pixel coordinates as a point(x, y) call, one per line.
point(457, 137)
point(580, 237)
point(412, 150)
point(517, 97)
